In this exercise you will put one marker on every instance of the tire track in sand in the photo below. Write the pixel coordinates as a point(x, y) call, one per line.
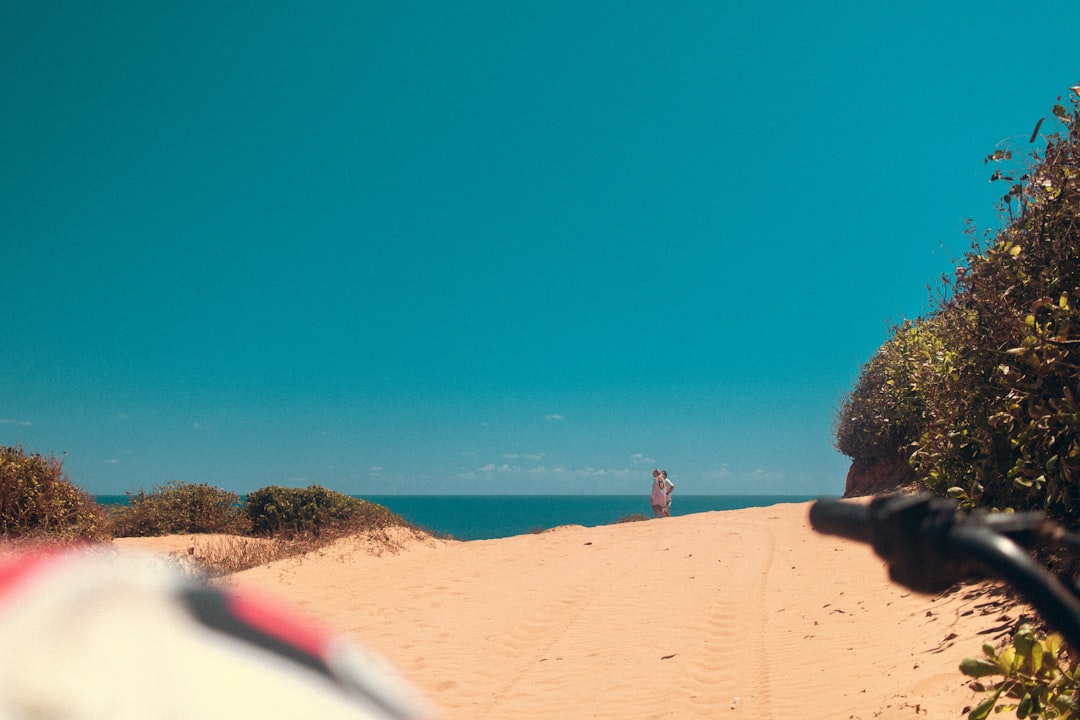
point(563, 632)
point(727, 670)
point(710, 658)
point(566, 627)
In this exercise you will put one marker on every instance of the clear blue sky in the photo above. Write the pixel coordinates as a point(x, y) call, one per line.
point(484, 247)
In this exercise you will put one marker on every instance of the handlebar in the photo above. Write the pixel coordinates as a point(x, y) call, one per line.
point(849, 520)
point(929, 545)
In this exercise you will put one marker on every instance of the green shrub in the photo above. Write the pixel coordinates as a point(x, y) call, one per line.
point(276, 511)
point(1032, 676)
point(1019, 442)
point(882, 416)
point(957, 451)
point(983, 396)
point(38, 502)
point(179, 507)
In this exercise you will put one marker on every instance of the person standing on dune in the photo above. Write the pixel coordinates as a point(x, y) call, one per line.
point(660, 499)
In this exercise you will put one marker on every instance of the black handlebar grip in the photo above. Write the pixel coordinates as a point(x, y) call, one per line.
point(845, 519)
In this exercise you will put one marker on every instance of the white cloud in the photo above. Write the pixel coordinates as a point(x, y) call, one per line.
point(639, 459)
point(12, 421)
point(721, 473)
point(536, 473)
point(532, 457)
point(555, 418)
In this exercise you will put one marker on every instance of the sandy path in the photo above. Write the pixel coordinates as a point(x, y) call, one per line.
point(744, 612)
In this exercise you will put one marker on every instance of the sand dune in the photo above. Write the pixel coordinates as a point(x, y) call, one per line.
point(744, 612)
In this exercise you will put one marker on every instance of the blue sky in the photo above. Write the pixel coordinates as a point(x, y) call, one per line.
point(484, 247)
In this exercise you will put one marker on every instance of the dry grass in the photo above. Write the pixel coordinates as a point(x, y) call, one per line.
point(214, 556)
point(217, 555)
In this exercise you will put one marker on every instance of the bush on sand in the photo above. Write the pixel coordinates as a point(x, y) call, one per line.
point(38, 502)
point(179, 508)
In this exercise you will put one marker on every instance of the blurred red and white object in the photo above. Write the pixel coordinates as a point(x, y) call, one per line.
point(100, 634)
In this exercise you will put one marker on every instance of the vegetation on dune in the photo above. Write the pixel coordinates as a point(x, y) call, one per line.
point(38, 501)
point(635, 517)
point(271, 523)
point(314, 511)
point(179, 508)
point(982, 396)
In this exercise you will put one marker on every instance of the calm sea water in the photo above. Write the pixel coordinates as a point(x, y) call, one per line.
point(484, 517)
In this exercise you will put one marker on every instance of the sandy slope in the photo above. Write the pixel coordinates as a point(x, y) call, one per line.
point(743, 612)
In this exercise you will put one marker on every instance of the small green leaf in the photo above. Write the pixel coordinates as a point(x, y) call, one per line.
point(982, 710)
point(1036, 657)
point(1024, 639)
point(1054, 643)
point(978, 667)
point(1024, 708)
point(1007, 660)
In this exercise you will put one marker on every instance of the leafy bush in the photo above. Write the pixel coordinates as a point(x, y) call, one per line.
point(38, 502)
point(882, 415)
point(289, 512)
point(957, 451)
point(983, 396)
point(1037, 678)
point(179, 507)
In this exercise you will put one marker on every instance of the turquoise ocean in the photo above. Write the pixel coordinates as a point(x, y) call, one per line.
point(485, 517)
